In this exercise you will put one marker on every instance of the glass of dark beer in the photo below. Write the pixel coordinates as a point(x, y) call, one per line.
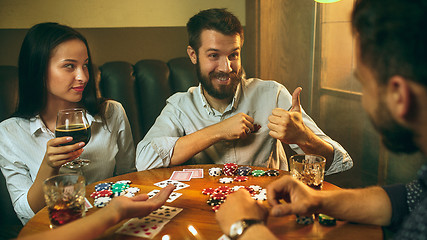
point(73, 123)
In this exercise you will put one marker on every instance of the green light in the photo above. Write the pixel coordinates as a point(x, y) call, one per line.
point(326, 1)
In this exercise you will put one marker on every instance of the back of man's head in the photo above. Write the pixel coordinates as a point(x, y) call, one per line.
point(218, 19)
point(393, 39)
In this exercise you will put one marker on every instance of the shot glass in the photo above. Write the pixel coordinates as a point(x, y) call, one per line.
point(308, 168)
point(65, 198)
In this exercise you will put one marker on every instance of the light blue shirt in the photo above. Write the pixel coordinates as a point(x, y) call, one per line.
point(23, 146)
point(188, 112)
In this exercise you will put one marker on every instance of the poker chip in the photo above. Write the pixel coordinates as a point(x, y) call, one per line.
point(216, 208)
point(214, 202)
point(215, 172)
point(241, 178)
point(219, 196)
point(226, 180)
point(272, 173)
point(235, 188)
point(258, 173)
point(244, 171)
point(101, 201)
point(132, 190)
point(305, 220)
point(103, 186)
point(124, 181)
point(223, 189)
point(256, 188)
point(119, 187)
point(102, 193)
point(250, 190)
point(262, 195)
point(208, 191)
point(229, 169)
point(129, 194)
point(326, 220)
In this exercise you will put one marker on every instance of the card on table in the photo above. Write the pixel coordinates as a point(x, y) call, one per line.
point(181, 175)
point(178, 185)
point(146, 227)
point(197, 172)
point(172, 196)
point(87, 204)
point(167, 212)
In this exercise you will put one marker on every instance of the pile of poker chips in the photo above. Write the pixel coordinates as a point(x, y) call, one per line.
point(244, 171)
point(305, 220)
point(258, 173)
point(215, 172)
point(272, 173)
point(241, 178)
point(104, 192)
point(226, 180)
point(229, 169)
point(326, 220)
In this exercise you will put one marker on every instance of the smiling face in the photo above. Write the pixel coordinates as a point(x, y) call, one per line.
point(67, 73)
point(218, 63)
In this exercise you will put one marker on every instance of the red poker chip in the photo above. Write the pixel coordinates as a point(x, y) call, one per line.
point(219, 196)
point(241, 178)
point(223, 188)
point(250, 190)
point(216, 208)
point(208, 191)
point(102, 193)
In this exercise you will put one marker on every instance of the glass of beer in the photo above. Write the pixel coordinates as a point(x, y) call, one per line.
point(308, 168)
point(65, 198)
point(73, 123)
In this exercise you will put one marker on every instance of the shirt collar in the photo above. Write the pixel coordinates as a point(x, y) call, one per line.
point(37, 124)
point(233, 105)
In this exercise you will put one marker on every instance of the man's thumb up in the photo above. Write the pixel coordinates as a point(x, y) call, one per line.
point(296, 105)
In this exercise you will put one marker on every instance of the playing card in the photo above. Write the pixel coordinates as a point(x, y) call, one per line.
point(172, 196)
point(197, 173)
point(146, 227)
point(165, 212)
point(224, 237)
point(181, 176)
point(87, 204)
point(178, 185)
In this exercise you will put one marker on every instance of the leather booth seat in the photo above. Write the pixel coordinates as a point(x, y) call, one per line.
point(142, 88)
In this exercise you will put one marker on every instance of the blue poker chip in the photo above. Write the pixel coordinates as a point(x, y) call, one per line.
point(103, 186)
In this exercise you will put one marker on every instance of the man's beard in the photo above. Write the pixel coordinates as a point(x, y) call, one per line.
point(224, 91)
point(396, 138)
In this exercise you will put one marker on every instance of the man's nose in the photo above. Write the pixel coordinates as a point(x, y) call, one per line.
point(225, 65)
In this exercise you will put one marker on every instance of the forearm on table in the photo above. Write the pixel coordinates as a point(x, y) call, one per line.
point(368, 205)
point(188, 146)
point(35, 194)
point(313, 144)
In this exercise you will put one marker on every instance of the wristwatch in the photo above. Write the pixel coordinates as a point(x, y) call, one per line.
point(239, 227)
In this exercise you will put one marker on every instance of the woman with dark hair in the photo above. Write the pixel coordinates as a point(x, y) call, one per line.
point(55, 73)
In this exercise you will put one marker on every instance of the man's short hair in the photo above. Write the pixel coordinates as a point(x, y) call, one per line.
point(218, 19)
point(393, 39)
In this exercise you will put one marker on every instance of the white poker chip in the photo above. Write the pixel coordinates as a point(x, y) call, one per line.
point(124, 181)
point(101, 201)
point(215, 172)
point(226, 180)
point(129, 194)
point(235, 188)
point(132, 190)
point(256, 188)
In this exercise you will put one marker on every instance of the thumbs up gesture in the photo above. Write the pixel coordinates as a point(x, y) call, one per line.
point(287, 126)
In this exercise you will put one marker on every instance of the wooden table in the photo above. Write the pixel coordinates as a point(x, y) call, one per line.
point(200, 215)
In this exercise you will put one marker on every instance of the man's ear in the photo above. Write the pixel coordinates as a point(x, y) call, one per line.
point(399, 97)
point(192, 54)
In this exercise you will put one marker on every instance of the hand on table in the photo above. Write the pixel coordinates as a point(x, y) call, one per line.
point(239, 205)
point(287, 126)
point(300, 199)
point(57, 155)
point(140, 205)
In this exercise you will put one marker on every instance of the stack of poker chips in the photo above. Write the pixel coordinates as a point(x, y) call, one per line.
point(244, 171)
point(258, 173)
point(104, 192)
point(229, 169)
point(305, 220)
point(326, 220)
point(272, 173)
point(215, 172)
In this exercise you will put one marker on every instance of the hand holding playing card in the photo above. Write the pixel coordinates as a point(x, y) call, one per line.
point(140, 205)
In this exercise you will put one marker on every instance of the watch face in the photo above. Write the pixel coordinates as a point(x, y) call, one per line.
point(236, 229)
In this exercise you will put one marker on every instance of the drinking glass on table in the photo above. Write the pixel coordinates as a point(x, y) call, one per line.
point(65, 198)
point(309, 169)
point(73, 123)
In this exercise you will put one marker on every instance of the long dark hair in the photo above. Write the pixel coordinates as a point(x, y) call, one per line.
point(34, 57)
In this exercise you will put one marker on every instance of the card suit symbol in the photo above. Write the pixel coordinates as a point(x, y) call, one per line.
point(154, 227)
point(147, 233)
point(167, 215)
point(136, 232)
point(146, 229)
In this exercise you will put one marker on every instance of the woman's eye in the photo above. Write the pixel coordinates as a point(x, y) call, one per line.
point(70, 66)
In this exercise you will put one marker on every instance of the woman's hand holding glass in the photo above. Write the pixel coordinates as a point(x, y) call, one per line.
point(58, 154)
